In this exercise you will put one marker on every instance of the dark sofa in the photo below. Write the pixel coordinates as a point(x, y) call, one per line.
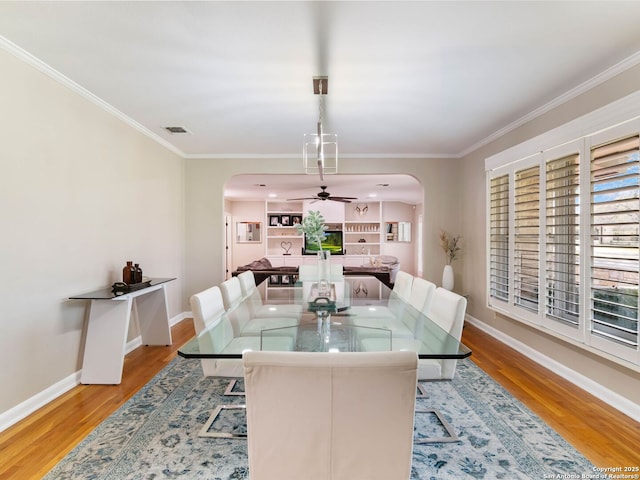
point(262, 269)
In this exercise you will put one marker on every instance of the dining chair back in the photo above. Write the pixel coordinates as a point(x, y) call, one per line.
point(310, 272)
point(402, 285)
point(257, 308)
point(247, 283)
point(330, 416)
point(208, 314)
point(421, 294)
point(448, 311)
point(207, 308)
point(231, 292)
point(336, 270)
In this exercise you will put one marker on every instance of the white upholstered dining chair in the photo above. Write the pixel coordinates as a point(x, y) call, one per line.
point(309, 273)
point(421, 294)
point(448, 310)
point(231, 292)
point(239, 310)
point(252, 296)
point(330, 416)
point(215, 333)
point(208, 309)
point(389, 317)
point(402, 285)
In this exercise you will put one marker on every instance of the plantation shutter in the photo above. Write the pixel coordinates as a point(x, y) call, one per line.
point(615, 207)
point(562, 272)
point(527, 238)
point(499, 238)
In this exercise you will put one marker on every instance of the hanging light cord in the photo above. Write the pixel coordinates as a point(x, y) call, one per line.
point(320, 145)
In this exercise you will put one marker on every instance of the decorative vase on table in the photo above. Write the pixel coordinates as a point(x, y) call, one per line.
point(447, 277)
point(128, 273)
point(324, 273)
point(138, 273)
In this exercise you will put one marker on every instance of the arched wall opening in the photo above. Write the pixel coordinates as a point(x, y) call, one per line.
point(376, 217)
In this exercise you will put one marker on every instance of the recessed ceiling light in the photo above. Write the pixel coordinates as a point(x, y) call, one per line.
point(273, 195)
point(372, 195)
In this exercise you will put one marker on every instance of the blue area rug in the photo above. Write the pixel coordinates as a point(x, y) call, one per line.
point(155, 434)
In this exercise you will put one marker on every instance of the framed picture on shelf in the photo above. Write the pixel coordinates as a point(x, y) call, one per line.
point(285, 220)
point(286, 279)
point(296, 219)
point(274, 220)
point(274, 280)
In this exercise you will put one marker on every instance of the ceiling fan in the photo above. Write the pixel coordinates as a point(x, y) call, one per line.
point(324, 195)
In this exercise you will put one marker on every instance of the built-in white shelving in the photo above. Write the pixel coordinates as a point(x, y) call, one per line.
point(362, 230)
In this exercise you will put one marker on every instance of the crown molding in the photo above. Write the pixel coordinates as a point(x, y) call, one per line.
point(602, 77)
point(80, 90)
point(296, 156)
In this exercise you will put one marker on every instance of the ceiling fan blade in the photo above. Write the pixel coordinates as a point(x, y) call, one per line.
point(303, 198)
point(340, 199)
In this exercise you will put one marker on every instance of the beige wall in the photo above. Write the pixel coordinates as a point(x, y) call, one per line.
point(82, 192)
point(619, 379)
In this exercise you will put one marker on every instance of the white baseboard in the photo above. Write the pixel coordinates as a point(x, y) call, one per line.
point(26, 408)
point(612, 398)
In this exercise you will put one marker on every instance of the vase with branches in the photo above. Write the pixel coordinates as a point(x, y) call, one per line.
point(451, 247)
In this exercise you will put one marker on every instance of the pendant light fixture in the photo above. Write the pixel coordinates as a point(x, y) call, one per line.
point(320, 150)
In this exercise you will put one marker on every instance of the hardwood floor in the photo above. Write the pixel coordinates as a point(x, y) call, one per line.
point(29, 449)
point(32, 447)
point(605, 436)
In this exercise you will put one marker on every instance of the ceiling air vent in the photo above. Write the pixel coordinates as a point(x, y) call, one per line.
point(176, 130)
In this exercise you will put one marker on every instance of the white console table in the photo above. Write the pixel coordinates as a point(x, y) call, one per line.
point(108, 326)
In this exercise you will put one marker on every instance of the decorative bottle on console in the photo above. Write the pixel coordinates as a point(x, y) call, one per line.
point(128, 273)
point(138, 273)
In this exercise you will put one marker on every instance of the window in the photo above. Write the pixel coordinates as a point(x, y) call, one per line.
point(499, 238)
point(615, 207)
point(564, 236)
point(562, 239)
point(527, 238)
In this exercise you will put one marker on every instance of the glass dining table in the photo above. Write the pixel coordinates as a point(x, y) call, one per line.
point(357, 314)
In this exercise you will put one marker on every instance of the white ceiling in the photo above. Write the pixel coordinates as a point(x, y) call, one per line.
point(406, 79)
